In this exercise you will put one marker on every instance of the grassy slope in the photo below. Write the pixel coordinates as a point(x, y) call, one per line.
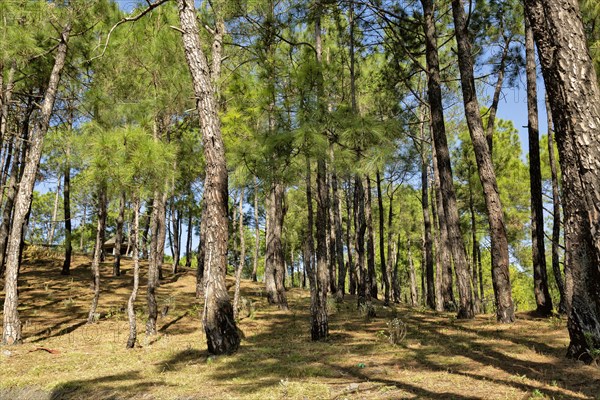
point(439, 358)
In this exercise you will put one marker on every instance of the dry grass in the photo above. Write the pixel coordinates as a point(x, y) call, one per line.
point(440, 358)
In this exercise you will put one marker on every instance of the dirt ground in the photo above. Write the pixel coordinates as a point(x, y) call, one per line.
point(440, 357)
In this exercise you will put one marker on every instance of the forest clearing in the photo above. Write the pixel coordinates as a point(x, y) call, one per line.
point(440, 357)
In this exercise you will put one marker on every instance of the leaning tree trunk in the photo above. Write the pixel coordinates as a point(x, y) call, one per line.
point(136, 276)
point(448, 195)
point(12, 324)
point(574, 97)
point(505, 310)
point(540, 277)
point(556, 217)
point(221, 331)
point(100, 228)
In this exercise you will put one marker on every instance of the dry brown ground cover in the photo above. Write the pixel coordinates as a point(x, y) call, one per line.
point(440, 357)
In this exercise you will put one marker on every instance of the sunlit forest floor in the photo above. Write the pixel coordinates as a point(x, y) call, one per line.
point(439, 358)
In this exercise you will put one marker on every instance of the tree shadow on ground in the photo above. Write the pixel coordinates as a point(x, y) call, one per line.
point(129, 384)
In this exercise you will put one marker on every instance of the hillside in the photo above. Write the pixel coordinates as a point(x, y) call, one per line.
point(440, 357)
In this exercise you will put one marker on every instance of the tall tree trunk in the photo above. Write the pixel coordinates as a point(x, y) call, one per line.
point(136, 275)
point(119, 235)
point(475, 251)
point(396, 288)
point(188, 241)
point(319, 320)
point(100, 229)
point(339, 244)
point(556, 220)
point(147, 222)
point(540, 277)
point(448, 196)
point(54, 214)
point(414, 298)
point(390, 262)
point(12, 324)
point(574, 96)
point(384, 268)
point(66, 268)
point(154, 261)
point(427, 239)
point(274, 263)
point(200, 256)
point(242, 262)
point(220, 328)
point(331, 245)
point(256, 232)
point(19, 153)
point(440, 267)
point(360, 226)
point(505, 310)
point(320, 324)
point(371, 274)
point(444, 250)
point(349, 219)
point(176, 220)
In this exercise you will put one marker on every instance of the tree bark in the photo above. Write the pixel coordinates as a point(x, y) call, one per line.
point(427, 239)
point(18, 156)
point(448, 196)
point(360, 226)
point(574, 97)
point(54, 214)
point(443, 252)
point(384, 268)
point(12, 325)
point(274, 263)
point(220, 328)
point(119, 235)
point(190, 232)
point(349, 219)
point(371, 274)
point(540, 277)
point(256, 232)
point(556, 220)
point(242, 262)
point(475, 250)
point(337, 220)
point(100, 228)
point(414, 298)
point(66, 268)
point(505, 310)
point(136, 275)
